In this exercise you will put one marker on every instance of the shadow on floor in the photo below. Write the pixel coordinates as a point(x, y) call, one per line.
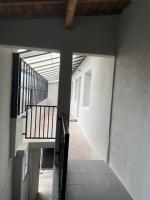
point(45, 185)
point(41, 197)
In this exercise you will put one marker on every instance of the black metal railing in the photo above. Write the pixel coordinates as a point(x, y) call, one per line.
point(33, 88)
point(40, 122)
point(63, 157)
point(28, 86)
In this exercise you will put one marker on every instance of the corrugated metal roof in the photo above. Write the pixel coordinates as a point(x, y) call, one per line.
point(47, 64)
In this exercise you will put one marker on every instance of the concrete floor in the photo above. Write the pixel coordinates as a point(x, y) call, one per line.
point(79, 149)
point(45, 185)
point(87, 179)
point(79, 146)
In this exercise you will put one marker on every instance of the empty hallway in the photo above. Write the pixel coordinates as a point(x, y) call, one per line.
point(79, 145)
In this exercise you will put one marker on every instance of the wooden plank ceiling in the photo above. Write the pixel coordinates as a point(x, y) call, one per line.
point(60, 8)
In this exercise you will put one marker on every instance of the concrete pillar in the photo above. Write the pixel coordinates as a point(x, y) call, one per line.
point(64, 92)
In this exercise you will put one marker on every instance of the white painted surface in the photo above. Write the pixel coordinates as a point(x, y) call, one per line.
point(130, 146)
point(19, 128)
point(52, 94)
point(5, 98)
point(20, 184)
point(34, 164)
point(94, 119)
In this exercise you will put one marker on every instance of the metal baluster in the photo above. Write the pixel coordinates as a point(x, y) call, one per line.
point(31, 124)
point(26, 86)
point(40, 122)
point(19, 87)
point(23, 66)
point(35, 121)
point(52, 122)
point(26, 130)
point(48, 122)
point(44, 122)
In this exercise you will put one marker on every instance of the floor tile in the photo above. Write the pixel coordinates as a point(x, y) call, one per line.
point(45, 185)
point(95, 179)
point(75, 192)
point(74, 179)
point(94, 191)
point(118, 191)
point(73, 166)
point(115, 192)
point(94, 167)
point(94, 185)
point(108, 198)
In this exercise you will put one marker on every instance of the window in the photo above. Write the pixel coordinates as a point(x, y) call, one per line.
point(87, 89)
point(76, 89)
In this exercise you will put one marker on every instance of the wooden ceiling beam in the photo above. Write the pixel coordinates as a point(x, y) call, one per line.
point(71, 9)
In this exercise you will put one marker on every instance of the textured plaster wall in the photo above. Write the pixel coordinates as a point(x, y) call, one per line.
point(130, 141)
point(5, 97)
point(34, 163)
point(94, 119)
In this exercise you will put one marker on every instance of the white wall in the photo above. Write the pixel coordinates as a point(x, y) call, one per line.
point(130, 146)
point(5, 98)
point(89, 35)
point(94, 120)
point(34, 164)
point(52, 94)
point(18, 128)
point(20, 175)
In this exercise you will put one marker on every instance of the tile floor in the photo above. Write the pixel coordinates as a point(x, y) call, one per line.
point(93, 180)
point(45, 185)
point(88, 178)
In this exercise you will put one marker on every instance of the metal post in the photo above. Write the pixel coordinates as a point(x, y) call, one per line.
point(64, 93)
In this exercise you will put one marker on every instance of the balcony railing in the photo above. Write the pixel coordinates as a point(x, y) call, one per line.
point(40, 122)
point(63, 157)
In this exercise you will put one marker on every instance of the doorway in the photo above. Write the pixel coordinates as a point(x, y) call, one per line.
point(46, 174)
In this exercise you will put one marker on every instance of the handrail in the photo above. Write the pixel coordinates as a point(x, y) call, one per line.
point(63, 156)
point(41, 106)
point(65, 125)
